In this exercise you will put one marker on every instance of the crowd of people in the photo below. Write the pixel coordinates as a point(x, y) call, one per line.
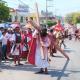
point(35, 45)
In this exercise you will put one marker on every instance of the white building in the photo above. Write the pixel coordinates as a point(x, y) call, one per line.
point(19, 14)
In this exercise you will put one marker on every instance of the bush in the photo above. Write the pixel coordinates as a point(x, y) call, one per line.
point(51, 23)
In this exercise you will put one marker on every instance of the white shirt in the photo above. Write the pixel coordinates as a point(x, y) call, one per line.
point(13, 38)
point(9, 36)
point(4, 40)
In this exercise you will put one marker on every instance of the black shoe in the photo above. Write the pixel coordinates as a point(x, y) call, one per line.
point(15, 65)
point(39, 72)
point(20, 64)
point(3, 58)
point(49, 60)
point(53, 56)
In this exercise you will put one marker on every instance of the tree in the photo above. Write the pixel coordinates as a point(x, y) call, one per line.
point(4, 11)
point(73, 18)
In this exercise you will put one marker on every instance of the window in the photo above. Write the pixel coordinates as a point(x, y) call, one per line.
point(26, 18)
point(16, 18)
point(10, 19)
point(21, 20)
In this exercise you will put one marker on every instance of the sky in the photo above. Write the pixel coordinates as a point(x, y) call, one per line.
point(58, 7)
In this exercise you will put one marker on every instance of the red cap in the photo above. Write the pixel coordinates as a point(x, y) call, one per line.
point(17, 27)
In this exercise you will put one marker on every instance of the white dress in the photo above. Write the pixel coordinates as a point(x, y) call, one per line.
point(15, 51)
point(39, 62)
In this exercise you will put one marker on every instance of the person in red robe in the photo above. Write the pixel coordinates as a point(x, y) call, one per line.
point(59, 26)
point(31, 41)
point(32, 47)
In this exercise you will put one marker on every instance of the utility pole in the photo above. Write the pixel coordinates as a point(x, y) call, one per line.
point(47, 6)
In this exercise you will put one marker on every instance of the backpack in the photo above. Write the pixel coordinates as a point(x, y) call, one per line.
point(18, 37)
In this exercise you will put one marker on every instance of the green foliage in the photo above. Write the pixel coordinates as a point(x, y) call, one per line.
point(73, 17)
point(4, 11)
point(51, 23)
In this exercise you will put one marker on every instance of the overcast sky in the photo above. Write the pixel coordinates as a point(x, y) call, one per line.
point(59, 7)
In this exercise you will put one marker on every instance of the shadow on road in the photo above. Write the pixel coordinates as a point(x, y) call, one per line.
point(73, 71)
point(57, 56)
point(25, 67)
point(60, 73)
point(69, 50)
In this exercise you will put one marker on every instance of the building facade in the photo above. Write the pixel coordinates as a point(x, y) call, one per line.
point(20, 15)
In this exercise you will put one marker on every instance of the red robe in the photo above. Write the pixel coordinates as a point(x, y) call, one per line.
point(32, 49)
point(8, 47)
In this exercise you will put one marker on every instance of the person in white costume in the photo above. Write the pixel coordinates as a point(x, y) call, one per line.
point(43, 42)
point(41, 53)
point(15, 51)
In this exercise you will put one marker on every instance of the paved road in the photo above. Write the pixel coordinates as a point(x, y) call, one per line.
point(60, 68)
